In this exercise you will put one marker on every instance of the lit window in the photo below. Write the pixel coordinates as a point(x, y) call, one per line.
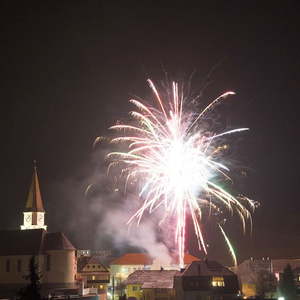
point(298, 277)
point(218, 281)
point(93, 277)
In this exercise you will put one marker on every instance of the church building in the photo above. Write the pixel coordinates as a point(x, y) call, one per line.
point(53, 252)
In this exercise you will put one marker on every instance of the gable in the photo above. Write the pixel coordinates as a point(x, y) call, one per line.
point(94, 268)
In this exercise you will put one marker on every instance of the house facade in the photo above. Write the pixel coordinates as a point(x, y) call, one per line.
point(151, 285)
point(206, 280)
point(93, 274)
point(122, 267)
point(248, 272)
point(257, 273)
point(200, 280)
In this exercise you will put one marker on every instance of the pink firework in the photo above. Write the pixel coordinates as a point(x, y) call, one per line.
point(177, 165)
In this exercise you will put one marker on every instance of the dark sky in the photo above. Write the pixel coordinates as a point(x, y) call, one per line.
point(69, 68)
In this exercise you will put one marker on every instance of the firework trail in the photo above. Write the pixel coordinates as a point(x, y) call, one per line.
point(176, 164)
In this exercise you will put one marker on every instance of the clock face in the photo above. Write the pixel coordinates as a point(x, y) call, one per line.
point(28, 218)
point(40, 218)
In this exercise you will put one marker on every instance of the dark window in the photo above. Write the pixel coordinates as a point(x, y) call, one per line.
point(48, 262)
point(19, 265)
point(94, 266)
point(7, 265)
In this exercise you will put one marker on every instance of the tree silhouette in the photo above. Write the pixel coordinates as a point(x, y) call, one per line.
point(32, 290)
point(265, 283)
point(287, 286)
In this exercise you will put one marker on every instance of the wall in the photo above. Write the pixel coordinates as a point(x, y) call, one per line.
point(14, 276)
point(134, 290)
point(62, 267)
point(159, 294)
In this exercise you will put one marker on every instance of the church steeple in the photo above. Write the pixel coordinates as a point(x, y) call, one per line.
point(34, 210)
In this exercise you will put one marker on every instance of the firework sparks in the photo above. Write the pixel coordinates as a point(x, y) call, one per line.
point(177, 165)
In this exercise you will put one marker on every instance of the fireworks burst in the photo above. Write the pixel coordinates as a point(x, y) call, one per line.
point(178, 165)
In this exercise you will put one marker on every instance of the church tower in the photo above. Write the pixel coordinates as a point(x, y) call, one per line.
point(34, 214)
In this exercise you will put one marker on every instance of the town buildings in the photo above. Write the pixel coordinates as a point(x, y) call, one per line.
point(128, 263)
point(206, 280)
point(257, 275)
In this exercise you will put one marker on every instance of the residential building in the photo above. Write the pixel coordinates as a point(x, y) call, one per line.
point(278, 265)
point(206, 280)
point(248, 273)
point(128, 263)
point(93, 274)
point(151, 285)
point(122, 267)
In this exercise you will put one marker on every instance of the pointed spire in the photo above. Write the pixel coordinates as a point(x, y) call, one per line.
point(34, 201)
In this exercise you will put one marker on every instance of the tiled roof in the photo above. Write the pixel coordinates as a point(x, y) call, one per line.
point(133, 259)
point(32, 242)
point(145, 259)
point(206, 268)
point(188, 258)
point(152, 278)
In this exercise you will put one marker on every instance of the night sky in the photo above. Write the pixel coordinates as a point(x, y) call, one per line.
point(70, 67)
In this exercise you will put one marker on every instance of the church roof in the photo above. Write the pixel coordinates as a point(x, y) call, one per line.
point(34, 199)
point(57, 241)
point(32, 242)
point(21, 242)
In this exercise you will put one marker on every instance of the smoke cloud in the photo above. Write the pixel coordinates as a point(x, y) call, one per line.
point(97, 219)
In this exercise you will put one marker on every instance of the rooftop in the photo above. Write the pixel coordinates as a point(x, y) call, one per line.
point(152, 278)
point(133, 259)
point(145, 259)
point(87, 260)
point(206, 268)
point(32, 242)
